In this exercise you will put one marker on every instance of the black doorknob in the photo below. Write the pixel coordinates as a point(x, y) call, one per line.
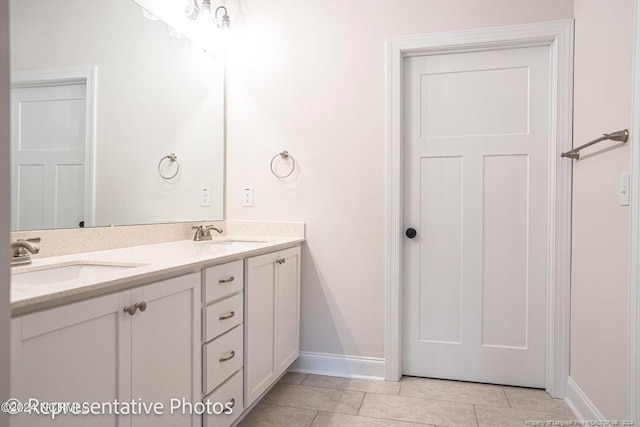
point(411, 233)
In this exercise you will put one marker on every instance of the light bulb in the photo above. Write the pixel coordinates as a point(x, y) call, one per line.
point(206, 13)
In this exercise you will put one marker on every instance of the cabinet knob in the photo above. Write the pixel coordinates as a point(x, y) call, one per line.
point(232, 402)
point(229, 357)
point(131, 309)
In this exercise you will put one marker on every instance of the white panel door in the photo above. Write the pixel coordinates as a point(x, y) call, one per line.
point(165, 348)
point(287, 309)
point(48, 144)
point(476, 136)
point(75, 353)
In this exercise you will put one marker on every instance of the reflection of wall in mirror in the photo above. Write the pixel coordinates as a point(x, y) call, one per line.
point(155, 95)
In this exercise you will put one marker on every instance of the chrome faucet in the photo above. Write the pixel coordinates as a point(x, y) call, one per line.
point(22, 251)
point(204, 232)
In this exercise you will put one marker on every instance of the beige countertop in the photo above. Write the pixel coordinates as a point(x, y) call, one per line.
point(149, 263)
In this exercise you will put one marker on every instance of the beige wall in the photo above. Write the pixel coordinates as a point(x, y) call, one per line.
point(600, 284)
point(5, 220)
point(308, 77)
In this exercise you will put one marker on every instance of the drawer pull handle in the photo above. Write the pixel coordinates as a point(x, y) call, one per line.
point(232, 403)
point(227, 316)
point(229, 357)
point(229, 280)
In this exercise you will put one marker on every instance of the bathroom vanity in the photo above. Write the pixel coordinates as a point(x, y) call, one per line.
point(119, 121)
point(213, 321)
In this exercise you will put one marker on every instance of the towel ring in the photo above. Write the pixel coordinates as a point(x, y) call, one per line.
point(284, 155)
point(173, 158)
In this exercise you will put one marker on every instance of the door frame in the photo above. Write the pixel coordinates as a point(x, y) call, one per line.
point(634, 214)
point(558, 35)
point(70, 75)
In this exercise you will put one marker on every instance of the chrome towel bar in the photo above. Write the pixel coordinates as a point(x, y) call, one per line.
point(620, 136)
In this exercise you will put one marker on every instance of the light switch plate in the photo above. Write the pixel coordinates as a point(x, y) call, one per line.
point(205, 196)
point(247, 197)
point(624, 190)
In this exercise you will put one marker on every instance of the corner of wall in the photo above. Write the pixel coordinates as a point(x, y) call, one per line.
point(583, 408)
point(4, 207)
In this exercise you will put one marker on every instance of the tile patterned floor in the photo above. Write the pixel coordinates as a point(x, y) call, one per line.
point(300, 400)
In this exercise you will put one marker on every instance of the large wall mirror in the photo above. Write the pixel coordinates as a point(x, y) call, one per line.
point(115, 121)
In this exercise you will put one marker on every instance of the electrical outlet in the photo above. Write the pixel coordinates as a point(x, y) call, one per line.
point(205, 196)
point(247, 197)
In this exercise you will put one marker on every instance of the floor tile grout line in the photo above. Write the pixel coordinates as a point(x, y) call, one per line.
point(507, 397)
point(397, 419)
point(346, 389)
point(315, 409)
point(361, 403)
point(308, 409)
point(475, 413)
point(537, 412)
point(396, 395)
point(443, 400)
point(314, 418)
point(324, 388)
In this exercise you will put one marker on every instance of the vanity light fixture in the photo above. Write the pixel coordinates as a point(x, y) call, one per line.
point(203, 11)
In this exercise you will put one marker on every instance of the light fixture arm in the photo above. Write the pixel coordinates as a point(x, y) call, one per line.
point(226, 22)
point(226, 13)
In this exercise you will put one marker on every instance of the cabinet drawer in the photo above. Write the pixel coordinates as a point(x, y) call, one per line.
point(222, 280)
point(221, 358)
point(218, 318)
point(231, 391)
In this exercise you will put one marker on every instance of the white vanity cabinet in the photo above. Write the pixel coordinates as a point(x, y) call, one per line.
point(272, 319)
point(222, 335)
point(94, 351)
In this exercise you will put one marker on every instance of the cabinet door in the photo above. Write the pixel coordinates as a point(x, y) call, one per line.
point(287, 314)
point(165, 348)
point(75, 353)
point(260, 369)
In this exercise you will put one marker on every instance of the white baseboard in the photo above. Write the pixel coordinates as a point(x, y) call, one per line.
point(580, 404)
point(339, 365)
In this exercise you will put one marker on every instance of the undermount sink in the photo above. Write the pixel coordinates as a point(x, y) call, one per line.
point(67, 272)
point(237, 242)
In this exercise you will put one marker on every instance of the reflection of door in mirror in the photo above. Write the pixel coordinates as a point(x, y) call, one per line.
point(48, 145)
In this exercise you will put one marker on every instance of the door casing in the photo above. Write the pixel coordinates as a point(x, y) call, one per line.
point(634, 262)
point(558, 35)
